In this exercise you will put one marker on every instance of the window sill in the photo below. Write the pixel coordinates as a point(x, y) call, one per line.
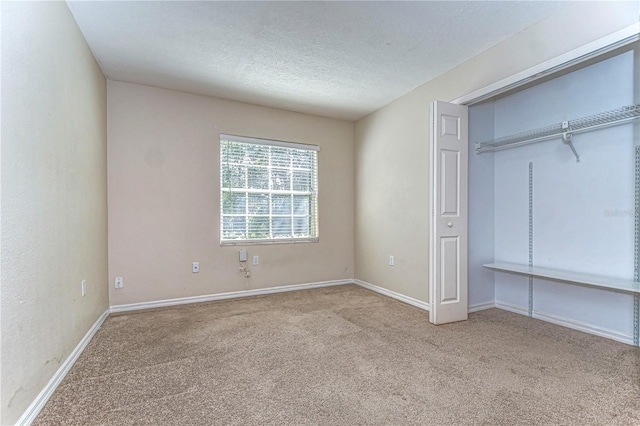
point(271, 241)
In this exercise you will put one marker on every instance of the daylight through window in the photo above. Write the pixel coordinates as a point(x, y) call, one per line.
point(268, 191)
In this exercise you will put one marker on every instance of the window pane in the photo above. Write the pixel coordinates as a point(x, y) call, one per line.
point(280, 157)
point(256, 155)
point(301, 180)
point(301, 204)
point(280, 179)
point(302, 159)
point(259, 204)
point(234, 202)
point(301, 226)
point(233, 227)
point(258, 178)
point(258, 227)
point(282, 227)
point(280, 204)
point(231, 152)
point(233, 176)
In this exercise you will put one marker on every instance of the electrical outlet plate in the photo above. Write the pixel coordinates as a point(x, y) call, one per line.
point(84, 287)
point(243, 255)
point(256, 260)
point(119, 282)
point(392, 260)
point(195, 267)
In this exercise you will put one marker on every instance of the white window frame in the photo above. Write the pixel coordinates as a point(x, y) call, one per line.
point(314, 193)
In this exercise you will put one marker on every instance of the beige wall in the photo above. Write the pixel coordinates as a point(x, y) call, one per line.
point(164, 201)
point(392, 144)
point(54, 198)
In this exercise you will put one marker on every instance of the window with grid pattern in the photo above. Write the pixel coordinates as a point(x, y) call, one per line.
point(268, 191)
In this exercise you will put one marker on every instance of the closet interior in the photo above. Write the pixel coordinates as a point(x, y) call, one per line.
point(554, 198)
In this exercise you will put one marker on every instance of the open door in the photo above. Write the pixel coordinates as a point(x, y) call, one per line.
point(449, 213)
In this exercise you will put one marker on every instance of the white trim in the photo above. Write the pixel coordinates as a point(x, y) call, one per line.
point(223, 296)
point(516, 309)
point(38, 404)
point(584, 327)
point(569, 323)
point(269, 241)
point(245, 139)
point(433, 249)
point(415, 302)
point(591, 50)
point(481, 306)
point(389, 293)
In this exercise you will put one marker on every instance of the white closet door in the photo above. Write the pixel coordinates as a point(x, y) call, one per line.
point(449, 213)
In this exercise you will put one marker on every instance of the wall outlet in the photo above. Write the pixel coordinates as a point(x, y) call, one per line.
point(243, 255)
point(392, 260)
point(256, 260)
point(119, 282)
point(195, 267)
point(84, 288)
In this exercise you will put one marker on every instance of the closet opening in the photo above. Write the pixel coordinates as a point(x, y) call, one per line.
point(551, 237)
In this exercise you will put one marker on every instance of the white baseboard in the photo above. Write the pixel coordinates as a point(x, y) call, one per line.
point(582, 326)
point(401, 297)
point(481, 306)
point(522, 310)
point(223, 296)
point(418, 303)
point(569, 323)
point(36, 406)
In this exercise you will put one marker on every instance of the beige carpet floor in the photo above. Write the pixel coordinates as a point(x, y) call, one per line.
point(343, 356)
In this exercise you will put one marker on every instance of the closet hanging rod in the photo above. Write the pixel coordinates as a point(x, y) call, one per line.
point(563, 130)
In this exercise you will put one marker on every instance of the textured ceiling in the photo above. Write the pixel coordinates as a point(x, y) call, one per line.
point(335, 59)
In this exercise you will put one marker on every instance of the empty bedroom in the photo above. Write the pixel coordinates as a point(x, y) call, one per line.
point(320, 213)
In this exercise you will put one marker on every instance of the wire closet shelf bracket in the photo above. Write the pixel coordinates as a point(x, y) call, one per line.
point(564, 130)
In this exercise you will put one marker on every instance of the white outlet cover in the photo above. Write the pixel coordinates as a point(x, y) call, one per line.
point(195, 267)
point(392, 260)
point(119, 282)
point(256, 260)
point(84, 287)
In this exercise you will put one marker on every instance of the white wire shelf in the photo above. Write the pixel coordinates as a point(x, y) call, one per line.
point(564, 130)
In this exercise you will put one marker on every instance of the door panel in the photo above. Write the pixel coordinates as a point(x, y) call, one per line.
point(450, 267)
point(449, 184)
point(448, 222)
